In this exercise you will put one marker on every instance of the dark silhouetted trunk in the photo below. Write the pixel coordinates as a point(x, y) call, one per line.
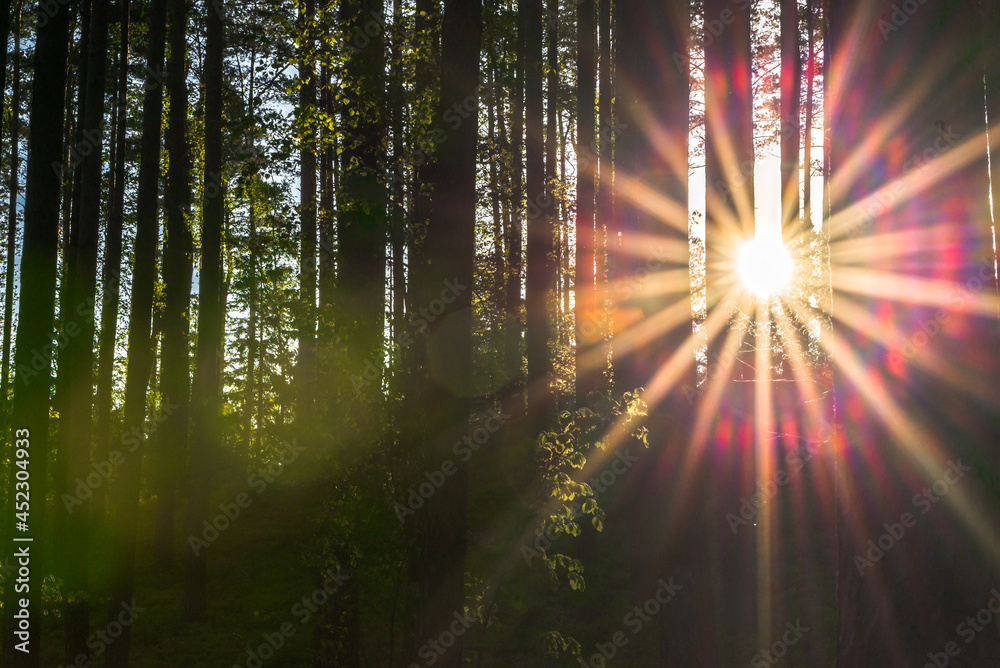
point(588, 326)
point(11, 236)
point(175, 364)
point(790, 127)
point(448, 255)
point(111, 277)
point(305, 368)
point(36, 315)
point(541, 234)
point(514, 302)
point(807, 131)
point(206, 402)
point(141, 343)
point(76, 359)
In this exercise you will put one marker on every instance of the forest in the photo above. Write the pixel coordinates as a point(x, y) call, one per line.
point(497, 333)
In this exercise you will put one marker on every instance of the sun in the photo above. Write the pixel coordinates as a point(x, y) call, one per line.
point(765, 267)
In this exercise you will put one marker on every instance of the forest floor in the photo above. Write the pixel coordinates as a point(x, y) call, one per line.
point(257, 574)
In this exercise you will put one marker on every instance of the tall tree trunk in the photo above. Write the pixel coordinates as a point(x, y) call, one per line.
point(515, 266)
point(541, 235)
point(305, 367)
point(603, 200)
point(807, 131)
point(449, 252)
point(327, 256)
point(729, 174)
point(76, 360)
point(791, 91)
point(111, 279)
point(141, 341)
point(397, 223)
point(648, 246)
point(362, 220)
point(588, 329)
point(82, 73)
point(36, 314)
point(493, 110)
point(253, 342)
point(205, 394)
point(175, 363)
point(11, 236)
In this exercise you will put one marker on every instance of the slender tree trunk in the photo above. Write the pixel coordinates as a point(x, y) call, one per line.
point(791, 91)
point(175, 363)
point(253, 343)
point(76, 360)
point(36, 314)
point(205, 395)
point(111, 282)
point(449, 250)
point(11, 236)
point(363, 201)
point(514, 302)
point(141, 340)
point(541, 236)
point(729, 174)
point(603, 199)
point(493, 155)
point(85, 22)
point(305, 368)
point(807, 131)
point(588, 328)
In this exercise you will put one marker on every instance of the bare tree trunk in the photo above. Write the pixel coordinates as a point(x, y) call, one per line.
point(515, 262)
point(175, 361)
point(36, 314)
point(305, 367)
point(111, 278)
point(141, 339)
point(791, 90)
point(76, 359)
point(807, 132)
point(206, 403)
point(541, 235)
point(588, 328)
point(11, 236)
point(449, 251)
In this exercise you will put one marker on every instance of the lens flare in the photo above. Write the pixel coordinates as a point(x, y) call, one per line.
point(765, 267)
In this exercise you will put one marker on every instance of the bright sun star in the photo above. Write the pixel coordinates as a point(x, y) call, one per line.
point(765, 266)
